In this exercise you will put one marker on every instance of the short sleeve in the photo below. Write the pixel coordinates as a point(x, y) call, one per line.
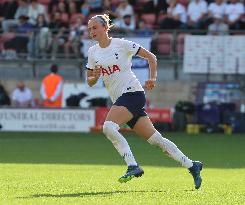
point(204, 7)
point(227, 10)
point(241, 8)
point(131, 47)
point(181, 9)
point(90, 64)
point(14, 97)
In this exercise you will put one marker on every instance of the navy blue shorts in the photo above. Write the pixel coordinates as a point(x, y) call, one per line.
point(134, 102)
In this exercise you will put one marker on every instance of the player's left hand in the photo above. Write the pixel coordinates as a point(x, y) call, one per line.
point(150, 84)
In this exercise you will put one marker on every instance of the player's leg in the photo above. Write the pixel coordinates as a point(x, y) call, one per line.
point(117, 116)
point(145, 129)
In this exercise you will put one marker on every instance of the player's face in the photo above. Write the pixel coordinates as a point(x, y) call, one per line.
point(96, 29)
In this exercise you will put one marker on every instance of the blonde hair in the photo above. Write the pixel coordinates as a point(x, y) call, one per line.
point(104, 19)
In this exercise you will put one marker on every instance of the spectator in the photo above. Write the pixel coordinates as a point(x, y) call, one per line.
point(7, 13)
point(126, 24)
point(63, 9)
point(59, 31)
point(155, 6)
point(22, 10)
point(75, 37)
point(85, 8)
point(72, 7)
point(21, 42)
point(34, 10)
point(143, 30)
point(132, 2)
point(42, 38)
point(109, 9)
point(123, 9)
point(218, 27)
point(176, 16)
point(22, 96)
point(234, 12)
point(95, 6)
point(52, 88)
point(149, 6)
point(196, 13)
point(4, 97)
point(215, 9)
point(53, 6)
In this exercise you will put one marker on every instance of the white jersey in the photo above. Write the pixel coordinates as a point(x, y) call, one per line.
point(115, 63)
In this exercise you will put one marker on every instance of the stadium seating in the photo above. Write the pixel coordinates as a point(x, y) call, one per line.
point(181, 43)
point(5, 37)
point(165, 44)
point(150, 20)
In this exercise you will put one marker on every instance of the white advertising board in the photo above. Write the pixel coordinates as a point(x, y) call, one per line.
point(47, 120)
point(214, 54)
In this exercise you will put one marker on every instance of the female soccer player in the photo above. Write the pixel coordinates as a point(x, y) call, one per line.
point(111, 59)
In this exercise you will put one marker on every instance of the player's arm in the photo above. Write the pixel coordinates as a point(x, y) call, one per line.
point(93, 76)
point(93, 70)
point(152, 60)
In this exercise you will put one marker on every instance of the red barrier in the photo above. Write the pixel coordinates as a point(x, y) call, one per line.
point(155, 114)
point(101, 113)
point(160, 114)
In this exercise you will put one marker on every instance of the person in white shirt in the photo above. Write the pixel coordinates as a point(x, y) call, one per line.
point(234, 12)
point(124, 8)
point(215, 9)
point(22, 96)
point(22, 9)
point(176, 16)
point(196, 12)
point(36, 9)
point(126, 24)
point(111, 59)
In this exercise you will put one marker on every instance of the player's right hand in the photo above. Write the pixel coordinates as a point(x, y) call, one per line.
point(150, 84)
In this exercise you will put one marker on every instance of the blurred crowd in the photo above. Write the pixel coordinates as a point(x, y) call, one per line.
point(51, 92)
point(46, 28)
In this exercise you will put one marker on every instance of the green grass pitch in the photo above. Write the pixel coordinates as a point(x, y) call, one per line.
point(66, 168)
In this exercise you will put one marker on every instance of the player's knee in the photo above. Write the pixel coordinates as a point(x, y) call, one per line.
point(109, 128)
